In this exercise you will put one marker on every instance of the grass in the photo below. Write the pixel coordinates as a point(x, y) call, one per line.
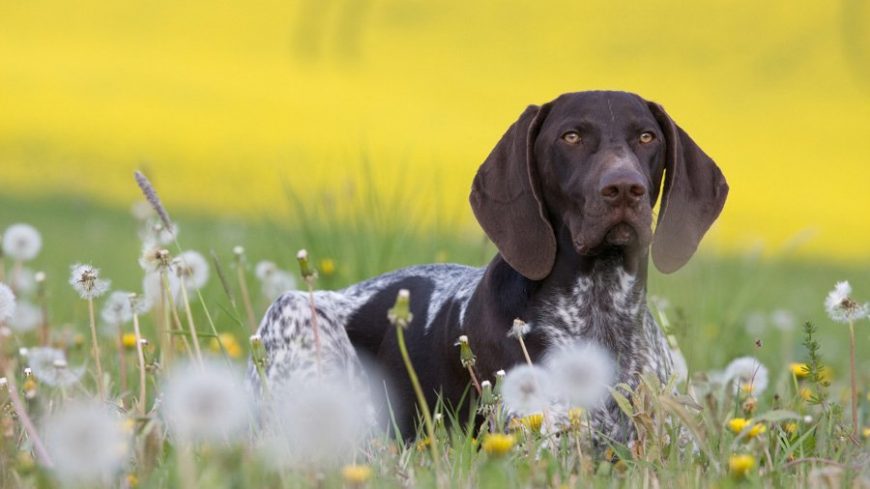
point(710, 303)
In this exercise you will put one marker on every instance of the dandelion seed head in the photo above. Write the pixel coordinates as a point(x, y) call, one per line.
point(27, 317)
point(39, 277)
point(783, 320)
point(152, 287)
point(278, 282)
point(238, 251)
point(192, 268)
point(264, 269)
point(519, 329)
point(87, 443)
point(208, 403)
point(293, 437)
point(141, 210)
point(117, 309)
point(7, 303)
point(527, 389)
point(582, 374)
point(748, 375)
point(24, 281)
point(50, 367)
point(21, 242)
point(302, 255)
point(86, 280)
point(841, 307)
point(154, 258)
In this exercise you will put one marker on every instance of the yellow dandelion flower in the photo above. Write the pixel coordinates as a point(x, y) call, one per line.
point(740, 465)
point(756, 430)
point(132, 480)
point(129, 340)
point(423, 444)
point(799, 370)
point(737, 425)
point(231, 345)
point(327, 266)
point(805, 393)
point(498, 444)
point(575, 416)
point(826, 375)
point(356, 475)
point(866, 432)
point(29, 386)
point(791, 428)
point(533, 421)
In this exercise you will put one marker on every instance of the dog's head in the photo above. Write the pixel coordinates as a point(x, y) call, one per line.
point(593, 162)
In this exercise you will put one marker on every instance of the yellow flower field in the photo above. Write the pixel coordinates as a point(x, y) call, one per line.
point(225, 103)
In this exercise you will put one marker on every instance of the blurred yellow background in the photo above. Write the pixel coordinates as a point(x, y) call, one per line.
point(225, 102)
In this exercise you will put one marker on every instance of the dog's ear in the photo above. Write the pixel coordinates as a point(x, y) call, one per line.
point(693, 196)
point(506, 199)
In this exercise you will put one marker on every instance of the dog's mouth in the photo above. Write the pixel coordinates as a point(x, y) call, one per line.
point(622, 234)
point(622, 230)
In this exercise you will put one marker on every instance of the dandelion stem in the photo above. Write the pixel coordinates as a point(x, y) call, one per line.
point(18, 406)
point(854, 380)
point(190, 322)
point(141, 359)
point(122, 364)
point(96, 350)
point(421, 399)
point(246, 297)
point(525, 351)
point(474, 380)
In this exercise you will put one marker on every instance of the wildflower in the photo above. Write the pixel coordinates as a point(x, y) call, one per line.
point(264, 269)
point(205, 403)
point(273, 281)
point(152, 285)
point(7, 303)
point(21, 242)
point(842, 308)
point(230, 344)
point(519, 329)
point(129, 340)
point(740, 465)
point(866, 432)
point(423, 444)
point(582, 374)
point(50, 367)
point(293, 439)
point(86, 280)
point(736, 425)
point(748, 375)
point(86, 442)
point(533, 422)
point(27, 317)
point(356, 475)
point(117, 309)
point(23, 281)
point(575, 417)
point(192, 268)
point(498, 444)
point(791, 428)
point(805, 393)
point(799, 370)
point(327, 266)
point(526, 389)
point(154, 258)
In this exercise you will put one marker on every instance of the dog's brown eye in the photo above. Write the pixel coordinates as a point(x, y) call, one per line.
point(647, 137)
point(571, 137)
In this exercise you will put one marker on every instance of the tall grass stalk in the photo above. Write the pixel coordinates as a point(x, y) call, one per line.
point(95, 349)
point(191, 325)
point(854, 382)
point(140, 357)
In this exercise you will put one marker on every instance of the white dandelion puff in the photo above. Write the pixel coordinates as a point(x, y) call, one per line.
point(87, 443)
point(27, 317)
point(21, 242)
point(277, 283)
point(841, 307)
point(519, 329)
point(748, 375)
point(23, 281)
point(7, 303)
point(192, 268)
point(154, 258)
point(783, 320)
point(154, 232)
point(681, 368)
point(207, 403)
point(153, 289)
point(50, 367)
point(86, 280)
point(527, 390)
point(264, 269)
point(117, 309)
point(316, 424)
point(582, 374)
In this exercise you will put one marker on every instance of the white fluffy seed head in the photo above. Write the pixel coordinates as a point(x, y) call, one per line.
point(23, 281)
point(117, 310)
point(86, 280)
point(27, 317)
point(21, 242)
point(192, 268)
point(527, 390)
point(582, 374)
point(207, 404)
point(153, 290)
point(841, 307)
point(748, 376)
point(50, 367)
point(264, 269)
point(86, 442)
point(7, 303)
point(277, 283)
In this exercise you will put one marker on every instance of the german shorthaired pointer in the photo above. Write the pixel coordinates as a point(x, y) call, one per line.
point(567, 197)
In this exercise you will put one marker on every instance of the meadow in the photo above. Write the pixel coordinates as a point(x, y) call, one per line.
point(718, 308)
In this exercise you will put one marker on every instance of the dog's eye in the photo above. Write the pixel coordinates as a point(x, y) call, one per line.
point(571, 137)
point(647, 137)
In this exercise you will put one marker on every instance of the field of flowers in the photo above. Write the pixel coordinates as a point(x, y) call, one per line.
point(124, 340)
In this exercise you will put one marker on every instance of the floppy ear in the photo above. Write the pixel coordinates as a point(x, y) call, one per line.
point(693, 196)
point(506, 199)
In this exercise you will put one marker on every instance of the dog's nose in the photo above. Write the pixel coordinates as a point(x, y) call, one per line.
point(622, 188)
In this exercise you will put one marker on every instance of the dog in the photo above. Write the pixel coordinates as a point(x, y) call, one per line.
point(567, 197)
